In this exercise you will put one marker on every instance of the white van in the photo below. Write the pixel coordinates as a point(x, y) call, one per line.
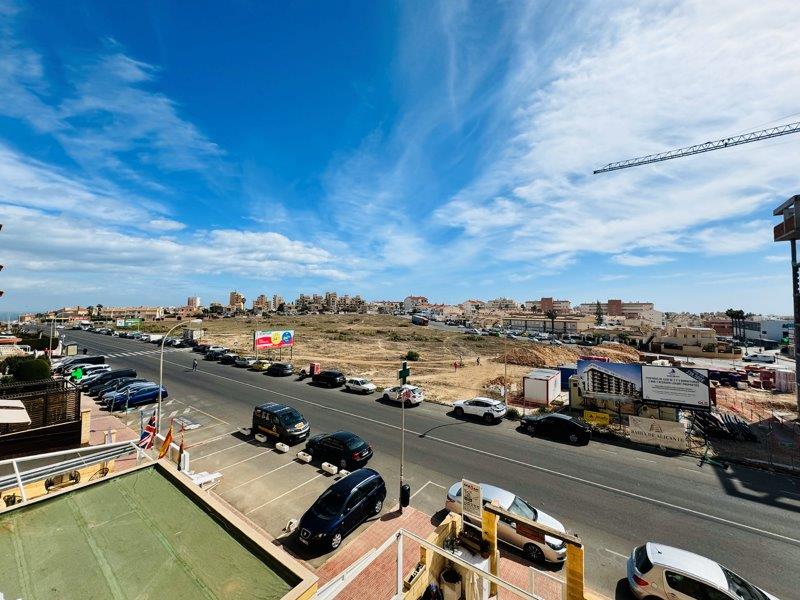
point(761, 358)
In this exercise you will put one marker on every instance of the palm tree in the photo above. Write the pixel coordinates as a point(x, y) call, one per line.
point(598, 314)
point(731, 314)
point(552, 314)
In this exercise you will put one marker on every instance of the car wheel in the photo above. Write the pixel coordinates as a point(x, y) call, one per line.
point(377, 506)
point(488, 418)
point(573, 438)
point(458, 412)
point(533, 553)
point(386, 397)
point(530, 429)
point(336, 540)
point(342, 464)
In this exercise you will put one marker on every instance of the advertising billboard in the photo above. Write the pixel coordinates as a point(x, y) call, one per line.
point(655, 432)
point(266, 340)
point(676, 385)
point(620, 382)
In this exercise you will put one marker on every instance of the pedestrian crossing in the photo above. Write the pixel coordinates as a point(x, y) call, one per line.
point(142, 352)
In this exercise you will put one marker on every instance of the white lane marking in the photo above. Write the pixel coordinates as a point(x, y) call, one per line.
point(261, 476)
point(245, 460)
point(294, 489)
point(609, 451)
point(426, 485)
point(695, 471)
point(194, 408)
point(218, 451)
point(187, 410)
point(645, 460)
point(214, 439)
point(172, 414)
point(575, 478)
point(616, 553)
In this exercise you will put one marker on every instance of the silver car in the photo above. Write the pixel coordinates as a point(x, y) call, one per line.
point(659, 572)
point(551, 550)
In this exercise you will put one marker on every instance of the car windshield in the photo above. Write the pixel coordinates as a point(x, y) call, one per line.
point(522, 508)
point(354, 443)
point(291, 417)
point(330, 503)
point(741, 589)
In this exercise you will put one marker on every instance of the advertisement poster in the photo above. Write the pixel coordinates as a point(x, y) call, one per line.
point(266, 340)
point(596, 418)
point(676, 385)
point(655, 432)
point(471, 500)
point(620, 382)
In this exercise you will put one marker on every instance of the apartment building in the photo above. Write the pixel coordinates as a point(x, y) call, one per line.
point(631, 310)
point(768, 328)
point(262, 303)
point(502, 304)
point(132, 312)
point(411, 303)
point(236, 301)
point(193, 302)
point(689, 336)
point(544, 305)
point(562, 324)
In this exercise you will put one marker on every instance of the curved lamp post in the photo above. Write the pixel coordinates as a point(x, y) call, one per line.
point(161, 363)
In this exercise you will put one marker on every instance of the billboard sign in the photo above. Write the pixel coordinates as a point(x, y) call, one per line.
point(471, 500)
point(620, 382)
point(655, 432)
point(676, 385)
point(266, 340)
point(128, 322)
point(596, 418)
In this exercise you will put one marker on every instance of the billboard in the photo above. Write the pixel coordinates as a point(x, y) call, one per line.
point(676, 385)
point(128, 322)
point(655, 432)
point(620, 382)
point(266, 340)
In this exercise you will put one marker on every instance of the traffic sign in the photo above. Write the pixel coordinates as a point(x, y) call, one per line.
point(404, 372)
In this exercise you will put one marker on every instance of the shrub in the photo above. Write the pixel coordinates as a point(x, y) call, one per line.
point(472, 338)
point(541, 410)
point(513, 414)
point(394, 337)
point(412, 355)
point(32, 370)
point(710, 347)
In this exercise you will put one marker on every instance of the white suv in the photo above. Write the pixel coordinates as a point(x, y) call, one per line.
point(413, 394)
point(486, 408)
point(363, 386)
point(661, 572)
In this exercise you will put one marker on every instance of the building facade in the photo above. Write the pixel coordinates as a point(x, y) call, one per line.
point(236, 301)
point(193, 302)
point(411, 303)
point(262, 303)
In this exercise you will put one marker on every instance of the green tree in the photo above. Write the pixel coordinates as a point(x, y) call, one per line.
point(598, 314)
point(32, 370)
point(731, 314)
point(552, 314)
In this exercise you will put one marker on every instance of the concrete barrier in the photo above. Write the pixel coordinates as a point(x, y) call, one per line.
point(281, 447)
point(245, 431)
point(260, 437)
point(304, 457)
point(329, 468)
point(344, 472)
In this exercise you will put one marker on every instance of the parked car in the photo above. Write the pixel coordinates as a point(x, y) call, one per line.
point(103, 378)
point(342, 448)
point(123, 388)
point(281, 422)
point(659, 572)
point(87, 370)
point(363, 386)
point(215, 353)
point(228, 358)
point(138, 397)
point(201, 348)
point(558, 426)
point(761, 358)
point(472, 331)
point(66, 363)
point(114, 385)
point(341, 508)
point(486, 408)
point(280, 369)
point(551, 550)
point(393, 394)
point(245, 361)
point(329, 379)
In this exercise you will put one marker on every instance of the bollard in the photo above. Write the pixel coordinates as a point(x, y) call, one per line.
point(344, 472)
point(260, 437)
point(281, 447)
point(304, 457)
point(329, 468)
point(245, 431)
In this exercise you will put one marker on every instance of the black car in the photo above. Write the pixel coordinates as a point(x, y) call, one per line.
point(558, 426)
point(215, 354)
point(228, 358)
point(344, 449)
point(341, 508)
point(107, 377)
point(280, 369)
point(282, 423)
point(201, 348)
point(114, 385)
point(330, 379)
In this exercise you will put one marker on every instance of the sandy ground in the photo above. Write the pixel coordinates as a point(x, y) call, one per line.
point(374, 346)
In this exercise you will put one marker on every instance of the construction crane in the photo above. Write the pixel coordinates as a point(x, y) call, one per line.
point(737, 140)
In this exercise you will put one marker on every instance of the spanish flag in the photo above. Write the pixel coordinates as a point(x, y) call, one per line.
point(167, 441)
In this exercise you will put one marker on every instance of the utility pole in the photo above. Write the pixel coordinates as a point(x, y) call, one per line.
point(402, 375)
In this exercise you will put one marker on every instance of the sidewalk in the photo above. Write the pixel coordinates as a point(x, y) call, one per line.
point(101, 422)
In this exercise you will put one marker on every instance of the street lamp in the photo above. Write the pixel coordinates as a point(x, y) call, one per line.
point(161, 363)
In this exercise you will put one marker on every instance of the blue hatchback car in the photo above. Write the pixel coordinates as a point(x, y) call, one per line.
point(137, 397)
point(341, 508)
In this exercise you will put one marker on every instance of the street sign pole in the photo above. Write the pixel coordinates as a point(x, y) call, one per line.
point(402, 375)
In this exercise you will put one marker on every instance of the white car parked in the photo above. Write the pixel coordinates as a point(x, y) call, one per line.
point(486, 408)
point(362, 386)
point(660, 572)
point(413, 393)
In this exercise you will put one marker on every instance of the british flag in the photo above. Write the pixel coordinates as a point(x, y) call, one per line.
point(148, 434)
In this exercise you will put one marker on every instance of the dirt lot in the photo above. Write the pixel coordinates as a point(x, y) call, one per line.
point(373, 346)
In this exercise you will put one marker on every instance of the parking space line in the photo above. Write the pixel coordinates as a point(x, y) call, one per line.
point(260, 476)
point(245, 460)
point(213, 439)
point(294, 489)
point(218, 451)
point(426, 485)
point(616, 553)
point(608, 451)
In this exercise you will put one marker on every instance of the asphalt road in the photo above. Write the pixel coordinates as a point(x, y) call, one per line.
point(613, 497)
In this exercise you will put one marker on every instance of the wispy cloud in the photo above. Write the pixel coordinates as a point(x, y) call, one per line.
point(641, 260)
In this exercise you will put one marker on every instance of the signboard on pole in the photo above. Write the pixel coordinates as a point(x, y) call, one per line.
point(596, 418)
point(658, 433)
point(676, 385)
point(128, 322)
point(471, 500)
point(266, 340)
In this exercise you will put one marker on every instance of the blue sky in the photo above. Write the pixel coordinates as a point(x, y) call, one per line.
point(149, 151)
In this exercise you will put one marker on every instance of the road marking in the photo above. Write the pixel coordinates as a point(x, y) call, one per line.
point(218, 451)
point(245, 460)
point(260, 476)
point(609, 451)
point(294, 489)
point(213, 439)
point(426, 485)
point(645, 460)
point(172, 414)
point(616, 553)
point(187, 410)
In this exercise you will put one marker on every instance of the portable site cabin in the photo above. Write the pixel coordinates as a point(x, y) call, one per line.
point(541, 386)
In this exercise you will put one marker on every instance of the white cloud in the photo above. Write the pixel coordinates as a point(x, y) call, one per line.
point(642, 260)
point(609, 277)
point(165, 225)
point(778, 258)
